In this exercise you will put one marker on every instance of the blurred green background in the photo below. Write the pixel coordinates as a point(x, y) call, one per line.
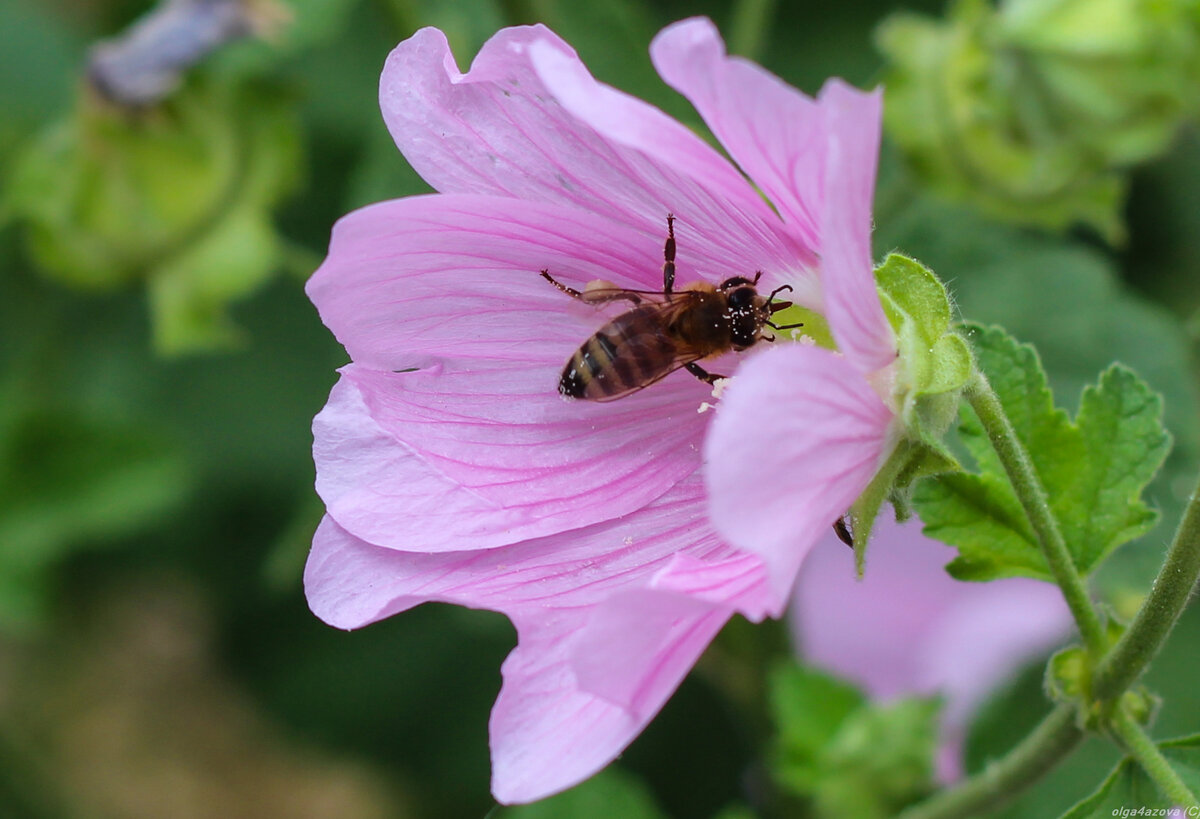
point(160, 367)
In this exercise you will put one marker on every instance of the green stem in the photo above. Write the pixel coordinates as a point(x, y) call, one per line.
point(1142, 748)
point(1053, 739)
point(751, 21)
point(1028, 487)
point(1158, 614)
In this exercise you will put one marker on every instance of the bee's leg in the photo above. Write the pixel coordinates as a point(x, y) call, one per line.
point(602, 292)
point(842, 529)
point(669, 256)
point(570, 291)
point(595, 292)
point(703, 374)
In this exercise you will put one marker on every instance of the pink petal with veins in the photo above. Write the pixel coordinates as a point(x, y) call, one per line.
point(438, 277)
point(776, 133)
point(548, 732)
point(519, 460)
point(852, 307)
point(798, 436)
point(498, 130)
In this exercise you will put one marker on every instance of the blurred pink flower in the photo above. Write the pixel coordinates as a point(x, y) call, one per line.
point(908, 628)
point(450, 467)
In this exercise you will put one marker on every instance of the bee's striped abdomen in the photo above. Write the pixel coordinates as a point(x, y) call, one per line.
point(625, 355)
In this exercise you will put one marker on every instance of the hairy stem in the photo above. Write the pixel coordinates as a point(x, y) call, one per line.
point(1048, 744)
point(1139, 746)
point(1158, 614)
point(1029, 491)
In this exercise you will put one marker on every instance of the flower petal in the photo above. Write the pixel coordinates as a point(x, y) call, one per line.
point(438, 277)
point(506, 435)
point(449, 460)
point(581, 683)
point(798, 436)
point(548, 733)
point(629, 121)
point(498, 130)
point(852, 307)
point(775, 133)
point(640, 643)
point(351, 582)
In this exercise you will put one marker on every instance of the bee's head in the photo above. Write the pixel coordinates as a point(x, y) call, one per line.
point(747, 310)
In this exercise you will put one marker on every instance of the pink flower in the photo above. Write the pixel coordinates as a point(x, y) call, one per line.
point(908, 628)
point(450, 467)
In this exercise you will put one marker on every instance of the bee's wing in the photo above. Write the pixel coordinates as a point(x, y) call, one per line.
point(602, 292)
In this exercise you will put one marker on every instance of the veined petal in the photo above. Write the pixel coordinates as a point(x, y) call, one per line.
point(442, 277)
point(351, 583)
point(640, 643)
point(798, 436)
point(627, 120)
point(548, 733)
point(775, 133)
point(852, 307)
point(450, 460)
point(498, 130)
point(581, 683)
point(749, 233)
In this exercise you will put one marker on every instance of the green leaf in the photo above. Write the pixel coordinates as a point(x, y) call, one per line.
point(37, 60)
point(612, 792)
point(1093, 470)
point(1130, 788)
point(807, 707)
point(1068, 300)
point(68, 482)
point(848, 756)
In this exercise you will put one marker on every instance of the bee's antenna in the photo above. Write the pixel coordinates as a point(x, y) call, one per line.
point(775, 326)
point(777, 290)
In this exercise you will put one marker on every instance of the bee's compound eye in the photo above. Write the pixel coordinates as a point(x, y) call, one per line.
point(742, 297)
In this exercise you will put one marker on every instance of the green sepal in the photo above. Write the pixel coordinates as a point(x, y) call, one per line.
point(910, 460)
point(1068, 678)
point(932, 367)
point(1141, 704)
point(934, 362)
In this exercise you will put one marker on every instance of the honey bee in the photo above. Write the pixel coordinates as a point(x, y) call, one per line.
point(666, 330)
